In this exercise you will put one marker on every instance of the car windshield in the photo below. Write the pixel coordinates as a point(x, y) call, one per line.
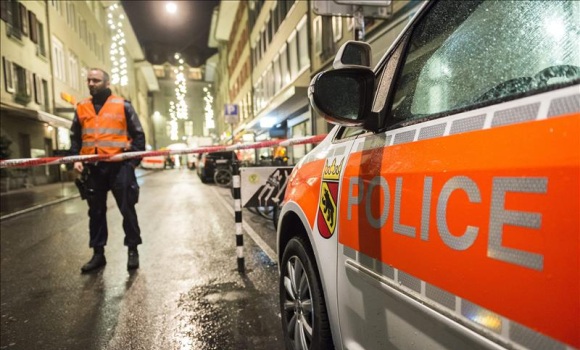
point(479, 52)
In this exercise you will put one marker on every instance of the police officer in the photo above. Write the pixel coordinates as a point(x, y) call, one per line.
point(108, 124)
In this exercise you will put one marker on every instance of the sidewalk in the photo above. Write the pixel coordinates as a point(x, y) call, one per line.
point(23, 200)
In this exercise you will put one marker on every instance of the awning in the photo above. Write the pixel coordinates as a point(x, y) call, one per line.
point(34, 114)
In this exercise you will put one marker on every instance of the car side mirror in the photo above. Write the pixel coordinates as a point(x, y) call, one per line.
point(343, 96)
point(353, 53)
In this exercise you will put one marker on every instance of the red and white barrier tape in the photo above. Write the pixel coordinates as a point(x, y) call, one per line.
point(30, 162)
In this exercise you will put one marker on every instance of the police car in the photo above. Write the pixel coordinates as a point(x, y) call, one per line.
point(442, 211)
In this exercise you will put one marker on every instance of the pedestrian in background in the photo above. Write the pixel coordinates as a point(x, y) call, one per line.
point(108, 124)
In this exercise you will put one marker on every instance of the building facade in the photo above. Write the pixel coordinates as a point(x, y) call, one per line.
point(285, 43)
point(47, 49)
point(187, 130)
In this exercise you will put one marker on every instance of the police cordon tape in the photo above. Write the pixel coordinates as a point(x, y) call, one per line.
point(91, 158)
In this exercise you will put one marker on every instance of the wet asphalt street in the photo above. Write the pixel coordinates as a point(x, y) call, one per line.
point(187, 294)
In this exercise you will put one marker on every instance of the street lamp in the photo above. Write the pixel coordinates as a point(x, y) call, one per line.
point(170, 7)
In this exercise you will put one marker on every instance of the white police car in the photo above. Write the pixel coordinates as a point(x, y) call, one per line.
point(443, 210)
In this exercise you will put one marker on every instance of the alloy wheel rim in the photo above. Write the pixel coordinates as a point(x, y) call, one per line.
point(298, 308)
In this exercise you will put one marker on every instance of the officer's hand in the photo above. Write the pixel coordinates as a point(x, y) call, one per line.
point(78, 166)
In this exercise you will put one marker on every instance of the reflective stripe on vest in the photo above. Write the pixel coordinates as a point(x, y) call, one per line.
point(106, 132)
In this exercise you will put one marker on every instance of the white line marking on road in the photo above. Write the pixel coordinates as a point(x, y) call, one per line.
point(249, 230)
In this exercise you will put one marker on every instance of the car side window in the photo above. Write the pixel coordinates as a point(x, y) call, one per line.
point(348, 132)
point(468, 53)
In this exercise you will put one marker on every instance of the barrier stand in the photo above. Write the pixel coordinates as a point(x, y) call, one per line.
point(238, 216)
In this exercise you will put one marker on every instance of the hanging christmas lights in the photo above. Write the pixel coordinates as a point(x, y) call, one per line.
point(208, 99)
point(178, 110)
point(117, 51)
point(180, 90)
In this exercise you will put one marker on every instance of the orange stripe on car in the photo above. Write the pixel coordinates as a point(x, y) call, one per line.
point(499, 211)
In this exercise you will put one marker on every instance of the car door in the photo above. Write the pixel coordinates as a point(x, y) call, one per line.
point(458, 222)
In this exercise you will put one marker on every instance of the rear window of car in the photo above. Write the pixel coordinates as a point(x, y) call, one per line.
point(228, 155)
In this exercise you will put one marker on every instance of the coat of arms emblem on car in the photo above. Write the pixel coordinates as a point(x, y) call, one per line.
point(327, 209)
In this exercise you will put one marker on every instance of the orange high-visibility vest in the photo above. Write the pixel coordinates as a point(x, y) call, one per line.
point(106, 132)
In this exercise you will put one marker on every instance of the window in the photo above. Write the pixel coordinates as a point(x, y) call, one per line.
point(84, 73)
point(37, 34)
point(23, 86)
point(8, 75)
point(349, 131)
point(58, 59)
point(270, 81)
point(41, 45)
point(282, 10)
point(270, 27)
point(5, 11)
point(38, 90)
point(337, 28)
point(32, 27)
point(277, 75)
point(293, 55)
point(259, 97)
point(317, 27)
point(327, 37)
point(23, 20)
point(476, 53)
point(350, 24)
point(254, 57)
point(266, 81)
point(73, 71)
point(82, 30)
point(264, 42)
point(70, 14)
point(90, 40)
point(275, 17)
point(45, 92)
point(304, 56)
point(285, 73)
point(14, 19)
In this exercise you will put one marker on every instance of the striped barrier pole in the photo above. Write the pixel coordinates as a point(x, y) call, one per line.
point(238, 216)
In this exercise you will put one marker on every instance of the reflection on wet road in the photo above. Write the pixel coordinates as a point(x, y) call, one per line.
point(187, 293)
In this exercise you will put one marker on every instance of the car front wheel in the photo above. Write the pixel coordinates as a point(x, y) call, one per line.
point(303, 308)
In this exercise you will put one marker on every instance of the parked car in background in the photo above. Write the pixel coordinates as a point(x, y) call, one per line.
point(443, 211)
point(208, 162)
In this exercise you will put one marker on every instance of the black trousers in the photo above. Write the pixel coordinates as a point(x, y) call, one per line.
point(119, 178)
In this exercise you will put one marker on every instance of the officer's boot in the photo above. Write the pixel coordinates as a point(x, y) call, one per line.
point(133, 258)
point(97, 261)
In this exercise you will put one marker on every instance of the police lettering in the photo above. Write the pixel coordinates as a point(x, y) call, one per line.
point(460, 241)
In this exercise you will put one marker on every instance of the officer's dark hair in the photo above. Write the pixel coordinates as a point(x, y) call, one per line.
point(105, 74)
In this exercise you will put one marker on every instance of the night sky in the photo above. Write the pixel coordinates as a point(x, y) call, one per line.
point(162, 34)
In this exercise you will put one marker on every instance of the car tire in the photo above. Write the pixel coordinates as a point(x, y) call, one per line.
point(302, 305)
point(222, 177)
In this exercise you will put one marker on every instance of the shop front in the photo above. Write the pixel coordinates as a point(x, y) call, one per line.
point(29, 133)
